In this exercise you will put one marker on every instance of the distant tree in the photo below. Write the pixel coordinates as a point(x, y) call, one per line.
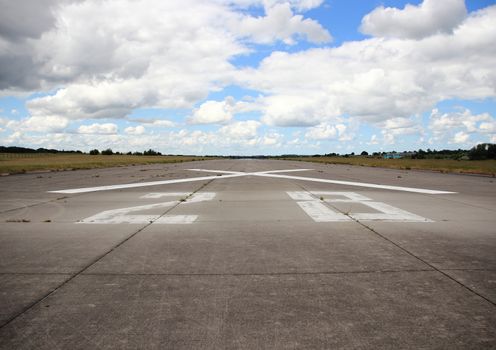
point(364, 153)
point(352, 153)
point(483, 151)
point(107, 152)
point(491, 151)
point(15, 149)
point(151, 152)
point(420, 154)
point(94, 152)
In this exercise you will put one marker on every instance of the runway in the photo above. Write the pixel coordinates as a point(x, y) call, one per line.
point(247, 254)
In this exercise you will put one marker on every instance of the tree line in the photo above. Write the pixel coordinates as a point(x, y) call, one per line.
point(480, 152)
point(108, 151)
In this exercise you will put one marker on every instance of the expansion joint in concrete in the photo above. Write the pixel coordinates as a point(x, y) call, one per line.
point(85, 268)
point(408, 252)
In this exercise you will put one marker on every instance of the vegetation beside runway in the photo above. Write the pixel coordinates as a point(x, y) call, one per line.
point(481, 159)
point(482, 167)
point(15, 163)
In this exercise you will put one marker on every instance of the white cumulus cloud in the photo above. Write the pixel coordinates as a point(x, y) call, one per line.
point(456, 127)
point(281, 24)
point(241, 129)
point(460, 137)
point(213, 112)
point(135, 130)
point(96, 128)
point(415, 22)
point(39, 124)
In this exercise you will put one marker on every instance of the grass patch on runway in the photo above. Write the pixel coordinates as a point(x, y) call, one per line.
point(15, 163)
point(483, 167)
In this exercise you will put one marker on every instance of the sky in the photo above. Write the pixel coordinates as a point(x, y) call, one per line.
point(247, 77)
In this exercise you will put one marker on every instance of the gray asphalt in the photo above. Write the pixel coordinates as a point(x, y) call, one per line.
point(254, 270)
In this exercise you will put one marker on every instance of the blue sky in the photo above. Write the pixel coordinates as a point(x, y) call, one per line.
point(248, 76)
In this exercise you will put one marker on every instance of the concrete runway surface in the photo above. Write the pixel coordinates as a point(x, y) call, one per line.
point(244, 257)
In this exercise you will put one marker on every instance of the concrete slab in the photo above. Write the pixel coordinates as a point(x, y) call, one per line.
point(481, 281)
point(446, 245)
point(19, 291)
point(30, 248)
point(255, 248)
point(385, 310)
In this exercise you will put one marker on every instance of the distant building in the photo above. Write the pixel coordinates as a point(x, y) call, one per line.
point(392, 156)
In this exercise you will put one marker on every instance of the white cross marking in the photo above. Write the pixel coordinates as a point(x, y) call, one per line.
point(232, 174)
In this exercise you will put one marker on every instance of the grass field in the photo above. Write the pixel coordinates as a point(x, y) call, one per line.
point(14, 163)
point(485, 167)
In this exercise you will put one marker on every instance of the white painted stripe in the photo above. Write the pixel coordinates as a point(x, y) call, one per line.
point(360, 184)
point(156, 195)
point(176, 219)
point(107, 218)
point(141, 219)
point(117, 216)
point(201, 197)
point(387, 213)
point(142, 184)
point(320, 213)
point(219, 171)
point(351, 196)
point(280, 171)
point(195, 197)
point(301, 196)
point(250, 173)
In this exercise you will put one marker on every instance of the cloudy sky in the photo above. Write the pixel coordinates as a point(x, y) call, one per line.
point(248, 76)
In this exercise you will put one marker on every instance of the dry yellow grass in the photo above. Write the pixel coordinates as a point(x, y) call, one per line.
point(13, 163)
point(485, 167)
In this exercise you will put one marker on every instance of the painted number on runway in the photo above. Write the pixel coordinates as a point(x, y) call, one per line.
point(122, 216)
point(313, 203)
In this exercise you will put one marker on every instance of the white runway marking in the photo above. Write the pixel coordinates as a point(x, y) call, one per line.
point(141, 184)
point(321, 213)
point(351, 196)
point(387, 213)
point(156, 195)
point(359, 184)
point(301, 196)
point(231, 174)
point(278, 171)
point(121, 215)
point(218, 171)
point(307, 201)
